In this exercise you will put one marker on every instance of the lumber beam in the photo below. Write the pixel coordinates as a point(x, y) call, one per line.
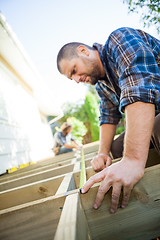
point(139, 221)
point(66, 185)
point(30, 192)
point(39, 167)
point(72, 224)
point(36, 214)
point(91, 147)
point(83, 171)
point(35, 169)
point(33, 221)
point(77, 167)
point(36, 177)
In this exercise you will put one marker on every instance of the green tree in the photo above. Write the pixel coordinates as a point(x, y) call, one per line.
point(150, 11)
point(86, 112)
point(121, 125)
point(92, 89)
point(78, 128)
point(91, 108)
point(75, 110)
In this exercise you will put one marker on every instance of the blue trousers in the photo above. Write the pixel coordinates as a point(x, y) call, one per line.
point(64, 150)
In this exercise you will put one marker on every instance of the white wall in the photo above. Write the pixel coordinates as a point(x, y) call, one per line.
point(24, 133)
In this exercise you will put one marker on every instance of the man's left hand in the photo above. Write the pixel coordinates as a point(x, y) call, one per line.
point(121, 175)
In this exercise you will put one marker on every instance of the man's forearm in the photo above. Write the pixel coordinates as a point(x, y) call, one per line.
point(139, 123)
point(107, 132)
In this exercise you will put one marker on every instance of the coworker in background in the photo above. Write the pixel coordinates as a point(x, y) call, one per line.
point(63, 140)
point(126, 73)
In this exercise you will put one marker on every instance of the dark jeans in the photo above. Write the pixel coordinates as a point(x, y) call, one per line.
point(64, 150)
point(117, 145)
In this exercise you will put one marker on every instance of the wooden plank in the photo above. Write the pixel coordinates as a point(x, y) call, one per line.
point(29, 192)
point(83, 171)
point(56, 159)
point(32, 221)
point(67, 184)
point(88, 162)
point(42, 165)
point(91, 147)
point(64, 156)
point(42, 162)
point(72, 224)
point(77, 167)
point(77, 178)
point(32, 169)
point(139, 221)
point(39, 219)
point(35, 177)
point(90, 155)
point(89, 172)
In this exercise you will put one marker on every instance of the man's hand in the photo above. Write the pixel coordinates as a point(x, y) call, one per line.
point(124, 174)
point(121, 175)
point(100, 161)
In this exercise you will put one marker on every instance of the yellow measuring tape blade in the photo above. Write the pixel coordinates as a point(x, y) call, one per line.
point(83, 170)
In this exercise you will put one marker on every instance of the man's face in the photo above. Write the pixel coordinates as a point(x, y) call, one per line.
point(81, 69)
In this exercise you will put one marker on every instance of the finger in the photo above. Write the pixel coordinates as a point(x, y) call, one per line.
point(126, 196)
point(103, 189)
point(92, 180)
point(116, 191)
point(98, 164)
point(94, 164)
point(108, 161)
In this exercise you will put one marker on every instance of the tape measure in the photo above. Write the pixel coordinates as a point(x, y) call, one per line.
point(83, 170)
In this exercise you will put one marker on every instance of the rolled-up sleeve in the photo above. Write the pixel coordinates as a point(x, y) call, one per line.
point(108, 105)
point(139, 74)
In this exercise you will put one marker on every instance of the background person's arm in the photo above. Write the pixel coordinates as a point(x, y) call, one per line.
point(70, 146)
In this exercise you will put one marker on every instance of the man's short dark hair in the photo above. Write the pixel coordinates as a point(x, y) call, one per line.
point(68, 51)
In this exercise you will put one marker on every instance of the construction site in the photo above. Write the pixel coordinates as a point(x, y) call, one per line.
point(40, 195)
point(42, 201)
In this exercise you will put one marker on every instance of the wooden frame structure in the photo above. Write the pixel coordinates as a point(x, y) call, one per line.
point(42, 201)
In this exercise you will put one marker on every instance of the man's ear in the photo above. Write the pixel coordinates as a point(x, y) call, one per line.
point(81, 49)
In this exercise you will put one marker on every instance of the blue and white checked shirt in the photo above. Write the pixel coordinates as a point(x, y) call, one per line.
point(60, 139)
point(131, 59)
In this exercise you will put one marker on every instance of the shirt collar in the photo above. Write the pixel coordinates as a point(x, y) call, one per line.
point(108, 80)
point(99, 48)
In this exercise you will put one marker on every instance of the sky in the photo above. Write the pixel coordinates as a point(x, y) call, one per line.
point(44, 26)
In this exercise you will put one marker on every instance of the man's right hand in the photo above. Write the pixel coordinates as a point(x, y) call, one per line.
point(100, 161)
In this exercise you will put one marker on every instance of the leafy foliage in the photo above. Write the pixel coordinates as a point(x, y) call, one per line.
point(75, 110)
point(87, 112)
point(78, 129)
point(84, 117)
point(150, 11)
point(91, 107)
point(92, 89)
point(121, 125)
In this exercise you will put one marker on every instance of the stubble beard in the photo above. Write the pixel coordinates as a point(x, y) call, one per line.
point(93, 80)
point(95, 73)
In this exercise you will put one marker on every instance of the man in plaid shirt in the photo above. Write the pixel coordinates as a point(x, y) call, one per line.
point(126, 74)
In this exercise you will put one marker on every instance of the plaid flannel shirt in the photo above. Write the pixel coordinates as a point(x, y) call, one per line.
point(131, 59)
point(60, 139)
